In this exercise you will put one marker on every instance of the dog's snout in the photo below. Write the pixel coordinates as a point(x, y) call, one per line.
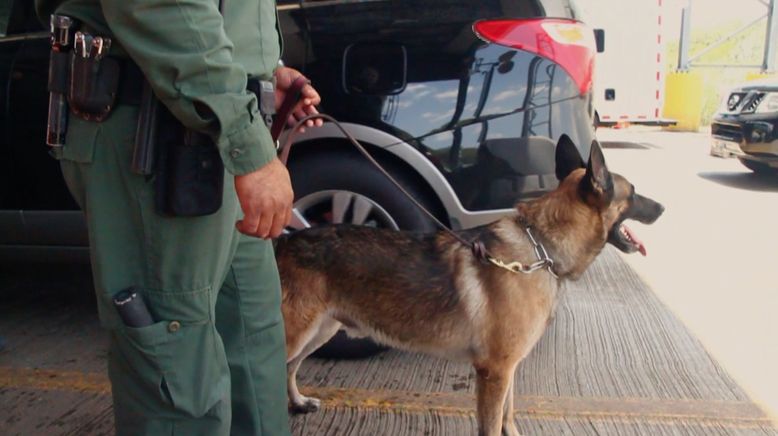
point(646, 210)
point(658, 211)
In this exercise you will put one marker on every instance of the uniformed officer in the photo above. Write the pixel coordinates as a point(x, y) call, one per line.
point(213, 363)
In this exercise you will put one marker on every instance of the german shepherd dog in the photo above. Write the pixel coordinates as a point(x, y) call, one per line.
point(429, 293)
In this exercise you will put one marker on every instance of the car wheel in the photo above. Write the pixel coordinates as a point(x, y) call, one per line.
point(757, 167)
point(340, 187)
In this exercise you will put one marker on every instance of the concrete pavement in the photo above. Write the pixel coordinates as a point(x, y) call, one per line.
point(615, 360)
point(713, 256)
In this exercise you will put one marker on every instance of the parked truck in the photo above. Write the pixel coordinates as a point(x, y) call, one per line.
point(629, 76)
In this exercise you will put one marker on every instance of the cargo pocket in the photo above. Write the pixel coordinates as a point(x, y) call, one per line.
point(179, 362)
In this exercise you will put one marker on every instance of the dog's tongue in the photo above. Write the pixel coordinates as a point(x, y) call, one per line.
point(635, 240)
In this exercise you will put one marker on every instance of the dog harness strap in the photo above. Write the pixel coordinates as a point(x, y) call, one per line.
point(479, 251)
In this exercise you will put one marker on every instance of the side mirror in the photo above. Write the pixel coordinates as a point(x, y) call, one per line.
point(599, 38)
point(375, 69)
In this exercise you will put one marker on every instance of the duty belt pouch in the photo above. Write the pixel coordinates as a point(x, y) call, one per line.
point(190, 173)
point(94, 82)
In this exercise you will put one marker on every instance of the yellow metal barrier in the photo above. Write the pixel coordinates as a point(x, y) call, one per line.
point(683, 100)
point(759, 76)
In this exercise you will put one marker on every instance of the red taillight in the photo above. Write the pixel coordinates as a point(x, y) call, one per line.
point(567, 42)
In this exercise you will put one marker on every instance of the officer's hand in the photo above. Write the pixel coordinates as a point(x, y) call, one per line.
point(309, 98)
point(266, 197)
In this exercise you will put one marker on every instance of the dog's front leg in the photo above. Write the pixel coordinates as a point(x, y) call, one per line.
point(317, 334)
point(508, 420)
point(492, 386)
point(299, 403)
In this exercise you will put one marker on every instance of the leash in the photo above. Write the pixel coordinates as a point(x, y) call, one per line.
point(290, 100)
point(478, 248)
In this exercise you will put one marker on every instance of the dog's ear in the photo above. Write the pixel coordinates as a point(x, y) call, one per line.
point(597, 184)
point(568, 159)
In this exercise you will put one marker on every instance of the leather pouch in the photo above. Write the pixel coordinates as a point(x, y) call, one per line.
point(190, 173)
point(93, 86)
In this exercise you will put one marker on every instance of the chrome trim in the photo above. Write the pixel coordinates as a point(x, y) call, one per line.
point(25, 37)
point(318, 4)
point(311, 4)
point(288, 7)
point(459, 217)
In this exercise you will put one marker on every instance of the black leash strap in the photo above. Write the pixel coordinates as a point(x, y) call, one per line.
point(287, 106)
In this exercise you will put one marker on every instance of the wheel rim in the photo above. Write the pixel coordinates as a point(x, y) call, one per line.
point(339, 207)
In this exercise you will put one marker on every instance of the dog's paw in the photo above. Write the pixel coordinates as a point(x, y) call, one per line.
point(307, 405)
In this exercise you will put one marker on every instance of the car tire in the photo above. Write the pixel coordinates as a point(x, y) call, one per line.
point(757, 167)
point(318, 180)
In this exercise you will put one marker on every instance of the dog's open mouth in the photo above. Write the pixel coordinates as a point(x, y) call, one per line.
point(625, 239)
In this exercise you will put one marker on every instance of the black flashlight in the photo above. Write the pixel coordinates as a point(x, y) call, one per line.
point(133, 311)
point(61, 35)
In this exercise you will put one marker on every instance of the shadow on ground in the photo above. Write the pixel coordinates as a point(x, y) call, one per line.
point(625, 145)
point(30, 284)
point(743, 180)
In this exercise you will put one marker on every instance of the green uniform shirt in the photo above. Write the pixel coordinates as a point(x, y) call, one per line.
point(197, 62)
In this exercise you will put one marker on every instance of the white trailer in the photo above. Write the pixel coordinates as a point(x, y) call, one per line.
point(630, 74)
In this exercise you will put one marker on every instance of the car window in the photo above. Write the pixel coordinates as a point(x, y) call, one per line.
point(5, 15)
point(576, 11)
point(556, 8)
point(18, 17)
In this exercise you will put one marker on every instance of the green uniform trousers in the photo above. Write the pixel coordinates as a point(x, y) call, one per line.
point(214, 362)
